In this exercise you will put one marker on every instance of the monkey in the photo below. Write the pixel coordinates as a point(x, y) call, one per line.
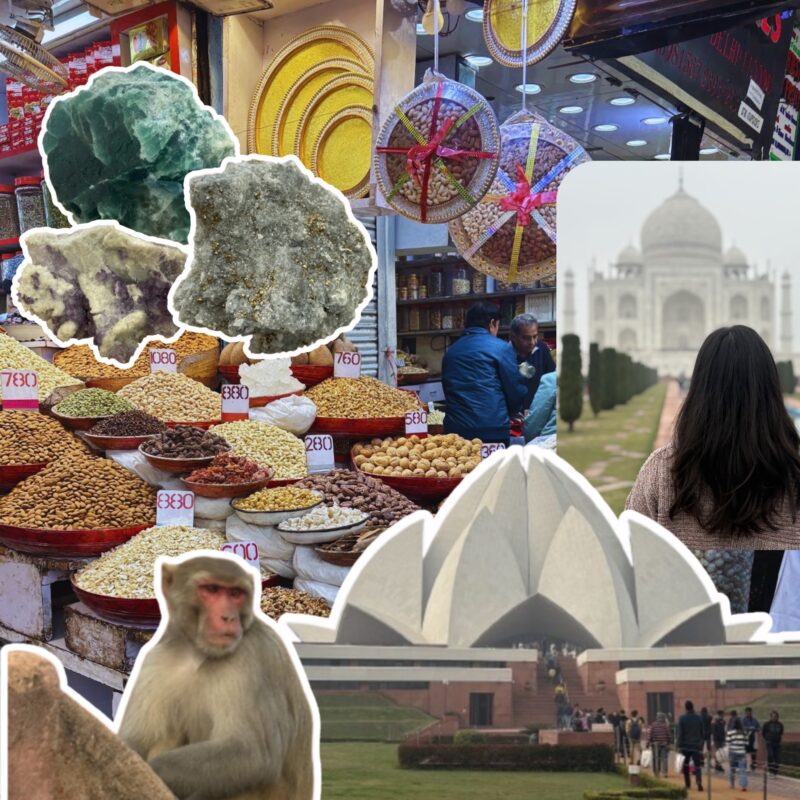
point(218, 708)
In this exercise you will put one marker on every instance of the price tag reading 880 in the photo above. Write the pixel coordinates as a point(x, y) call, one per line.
point(246, 550)
point(174, 507)
point(235, 401)
point(20, 390)
point(319, 452)
point(489, 449)
point(347, 365)
point(416, 422)
point(163, 360)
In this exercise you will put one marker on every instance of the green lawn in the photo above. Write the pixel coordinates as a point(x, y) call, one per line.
point(787, 705)
point(370, 771)
point(367, 717)
point(611, 448)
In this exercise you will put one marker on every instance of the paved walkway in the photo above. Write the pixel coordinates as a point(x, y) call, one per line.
point(778, 788)
point(672, 404)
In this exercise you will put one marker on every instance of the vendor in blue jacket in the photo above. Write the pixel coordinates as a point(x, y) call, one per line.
point(482, 384)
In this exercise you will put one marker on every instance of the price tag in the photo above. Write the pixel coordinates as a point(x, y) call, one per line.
point(489, 449)
point(20, 390)
point(163, 360)
point(416, 422)
point(174, 507)
point(347, 365)
point(246, 550)
point(319, 452)
point(235, 402)
point(431, 407)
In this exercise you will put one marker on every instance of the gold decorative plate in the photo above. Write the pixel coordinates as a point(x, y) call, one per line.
point(548, 21)
point(299, 96)
point(343, 150)
point(346, 91)
point(290, 64)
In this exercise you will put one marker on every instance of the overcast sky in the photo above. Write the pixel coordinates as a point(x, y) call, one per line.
point(602, 206)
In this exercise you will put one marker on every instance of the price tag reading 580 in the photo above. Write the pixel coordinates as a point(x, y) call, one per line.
point(20, 389)
point(163, 360)
point(174, 507)
point(319, 452)
point(347, 365)
point(416, 422)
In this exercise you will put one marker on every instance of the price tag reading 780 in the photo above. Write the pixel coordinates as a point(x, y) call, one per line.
point(174, 507)
point(20, 390)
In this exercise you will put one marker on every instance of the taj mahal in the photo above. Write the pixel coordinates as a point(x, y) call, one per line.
point(658, 302)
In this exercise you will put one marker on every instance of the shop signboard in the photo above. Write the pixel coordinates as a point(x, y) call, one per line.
point(785, 135)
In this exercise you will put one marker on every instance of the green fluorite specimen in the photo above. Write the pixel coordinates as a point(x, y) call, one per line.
point(120, 148)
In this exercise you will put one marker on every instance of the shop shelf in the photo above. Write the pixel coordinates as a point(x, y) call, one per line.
point(471, 298)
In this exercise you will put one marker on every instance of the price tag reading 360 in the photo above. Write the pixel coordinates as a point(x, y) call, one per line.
point(163, 360)
point(319, 452)
point(347, 365)
point(20, 390)
point(174, 507)
point(416, 422)
point(235, 401)
point(246, 550)
point(489, 449)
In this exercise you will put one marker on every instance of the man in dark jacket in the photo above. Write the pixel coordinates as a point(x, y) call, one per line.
point(482, 383)
point(773, 734)
point(718, 736)
point(690, 744)
point(527, 347)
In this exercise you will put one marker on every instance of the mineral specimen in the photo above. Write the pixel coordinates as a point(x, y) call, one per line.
point(275, 257)
point(99, 283)
point(120, 147)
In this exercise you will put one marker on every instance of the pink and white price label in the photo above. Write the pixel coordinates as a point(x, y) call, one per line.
point(347, 365)
point(416, 422)
point(246, 550)
point(20, 390)
point(489, 449)
point(163, 360)
point(174, 507)
point(235, 402)
point(319, 452)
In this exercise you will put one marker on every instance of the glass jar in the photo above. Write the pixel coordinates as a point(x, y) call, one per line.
point(435, 320)
point(402, 293)
point(478, 283)
point(9, 220)
point(30, 203)
point(461, 282)
point(413, 281)
point(413, 319)
point(436, 283)
point(520, 307)
point(423, 292)
point(459, 315)
point(402, 319)
point(52, 214)
point(413, 293)
point(447, 318)
point(424, 318)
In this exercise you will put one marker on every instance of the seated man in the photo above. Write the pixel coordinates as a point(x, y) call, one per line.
point(540, 424)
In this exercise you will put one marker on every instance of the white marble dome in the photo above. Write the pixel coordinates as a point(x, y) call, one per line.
point(734, 257)
point(630, 256)
point(679, 225)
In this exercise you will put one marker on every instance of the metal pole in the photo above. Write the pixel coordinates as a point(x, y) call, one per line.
point(766, 789)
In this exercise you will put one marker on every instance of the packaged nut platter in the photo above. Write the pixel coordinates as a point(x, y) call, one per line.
point(511, 233)
point(437, 153)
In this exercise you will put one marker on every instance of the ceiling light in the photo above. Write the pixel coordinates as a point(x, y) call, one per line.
point(662, 157)
point(655, 120)
point(606, 127)
point(529, 88)
point(623, 100)
point(709, 151)
point(636, 143)
point(474, 15)
point(421, 30)
point(570, 109)
point(583, 77)
point(478, 61)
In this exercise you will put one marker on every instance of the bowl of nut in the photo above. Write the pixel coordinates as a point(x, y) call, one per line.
point(228, 476)
point(65, 543)
point(347, 549)
point(183, 449)
point(322, 524)
point(273, 506)
point(83, 409)
point(76, 423)
point(12, 474)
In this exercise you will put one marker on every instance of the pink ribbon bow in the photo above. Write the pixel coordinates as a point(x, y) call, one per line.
point(524, 201)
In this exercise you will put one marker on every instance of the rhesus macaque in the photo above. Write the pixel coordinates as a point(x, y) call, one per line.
point(218, 709)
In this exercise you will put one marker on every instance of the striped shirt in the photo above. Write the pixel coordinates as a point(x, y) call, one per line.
point(659, 733)
point(737, 742)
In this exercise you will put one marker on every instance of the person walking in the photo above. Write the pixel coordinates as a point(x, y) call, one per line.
point(773, 734)
point(752, 728)
point(690, 744)
point(718, 737)
point(634, 731)
point(659, 738)
point(732, 425)
point(706, 717)
point(736, 740)
point(624, 741)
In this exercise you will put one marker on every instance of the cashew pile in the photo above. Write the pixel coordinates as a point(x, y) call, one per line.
point(172, 397)
point(447, 456)
point(360, 398)
point(34, 439)
point(267, 445)
point(14, 355)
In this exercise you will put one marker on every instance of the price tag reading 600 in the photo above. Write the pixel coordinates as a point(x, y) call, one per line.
point(20, 390)
point(174, 507)
point(319, 452)
point(163, 360)
point(347, 365)
point(416, 422)
point(246, 550)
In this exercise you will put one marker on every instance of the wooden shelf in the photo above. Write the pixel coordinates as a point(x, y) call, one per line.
point(9, 245)
point(26, 161)
point(459, 331)
point(468, 298)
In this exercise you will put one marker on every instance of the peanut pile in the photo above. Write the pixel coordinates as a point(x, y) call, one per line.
point(447, 456)
point(267, 445)
point(284, 498)
point(172, 397)
point(360, 398)
point(277, 601)
point(34, 439)
point(80, 492)
point(14, 355)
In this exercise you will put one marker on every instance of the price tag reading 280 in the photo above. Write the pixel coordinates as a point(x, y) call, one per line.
point(489, 449)
point(347, 365)
point(319, 452)
point(416, 422)
point(174, 507)
point(20, 390)
point(163, 360)
point(235, 402)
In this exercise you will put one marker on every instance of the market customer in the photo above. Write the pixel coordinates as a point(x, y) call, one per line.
point(718, 737)
point(540, 423)
point(524, 339)
point(482, 384)
point(690, 744)
point(751, 727)
point(773, 734)
point(730, 477)
point(737, 744)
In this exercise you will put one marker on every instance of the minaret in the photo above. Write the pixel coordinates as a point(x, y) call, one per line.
point(569, 302)
point(786, 315)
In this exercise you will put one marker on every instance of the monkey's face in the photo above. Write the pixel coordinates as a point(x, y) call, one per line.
point(219, 623)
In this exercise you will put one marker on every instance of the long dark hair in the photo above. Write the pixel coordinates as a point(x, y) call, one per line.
point(734, 438)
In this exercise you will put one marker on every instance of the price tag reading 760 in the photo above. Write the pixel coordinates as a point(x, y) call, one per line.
point(235, 401)
point(416, 422)
point(246, 550)
point(20, 390)
point(174, 507)
point(347, 365)
point(319, 452)
point(163, 360)
point(489, 449)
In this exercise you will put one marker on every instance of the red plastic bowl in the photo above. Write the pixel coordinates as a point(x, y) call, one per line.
point(360, 428)
point(77, 423)
point(66, 544)
point(205, 425)
point(311, 374)
point(230, 372)
point(259, 402)
point(216, 490)
point(12, 474)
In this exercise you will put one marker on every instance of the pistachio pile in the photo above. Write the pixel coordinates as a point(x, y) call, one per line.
point(277, 601)
point(360, 398)
point(228, 469)
point(80, 492)
point(92, 403)
point(445, 456)
point(172, 397)
point(14, 355)
point(267, 445)
point(284, 498)
point(129, 423)
point(185, 442)
point(34, 439)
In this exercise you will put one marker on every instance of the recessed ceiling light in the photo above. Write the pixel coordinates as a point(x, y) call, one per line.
point(529, 88)
point(623, 100)
point(570, 109)
point(478, 61)
point(636, 143)
point(583, 77)
point(606, 127)
point(474, 15)
point(709, 151)
point(655, 120)
point(421, 30)
point(662, 157)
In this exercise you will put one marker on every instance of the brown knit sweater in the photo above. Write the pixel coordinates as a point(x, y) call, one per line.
point(653, 495)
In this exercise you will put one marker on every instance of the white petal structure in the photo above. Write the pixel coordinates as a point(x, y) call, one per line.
point(526, 547)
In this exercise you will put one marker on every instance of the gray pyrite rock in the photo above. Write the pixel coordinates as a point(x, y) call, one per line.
point(99, 283)
point(275, 257)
